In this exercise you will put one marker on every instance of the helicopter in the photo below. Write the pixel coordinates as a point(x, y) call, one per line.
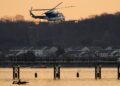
point(50, 14)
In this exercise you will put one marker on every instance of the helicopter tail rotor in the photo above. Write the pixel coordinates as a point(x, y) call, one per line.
point(31, 12)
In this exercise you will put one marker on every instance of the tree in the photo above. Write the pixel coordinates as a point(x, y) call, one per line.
point(19, 18)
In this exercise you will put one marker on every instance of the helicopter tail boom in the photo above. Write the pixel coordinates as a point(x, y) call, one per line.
point(34, 16)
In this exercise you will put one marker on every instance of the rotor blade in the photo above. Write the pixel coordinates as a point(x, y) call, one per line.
point(40, 9)
point(65, 7)
point(47, 9)
point(57, 5)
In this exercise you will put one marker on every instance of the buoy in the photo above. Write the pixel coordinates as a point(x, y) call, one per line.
point(35, 75)
point(77, 75)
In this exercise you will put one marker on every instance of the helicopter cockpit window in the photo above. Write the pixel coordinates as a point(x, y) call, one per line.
point(50, 15)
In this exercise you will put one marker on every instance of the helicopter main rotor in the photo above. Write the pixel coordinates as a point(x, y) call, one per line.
point(52, 8)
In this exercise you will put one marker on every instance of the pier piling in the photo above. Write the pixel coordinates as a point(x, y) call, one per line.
point(97, 72)
point(16, 72)
point(56, 72)
point(118, 68)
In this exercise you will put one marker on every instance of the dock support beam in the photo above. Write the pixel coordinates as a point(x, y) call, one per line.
point(16, 73)
point(118, 68)
point(56, 72)
point(97, 72)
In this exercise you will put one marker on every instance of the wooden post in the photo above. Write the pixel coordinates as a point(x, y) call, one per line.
point(16, 72)
point(98, 72)
point(77, 74)
point(118, 72)
point(56, 72)
point(36, 75)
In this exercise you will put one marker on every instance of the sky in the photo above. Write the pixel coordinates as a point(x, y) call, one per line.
point(82, 9)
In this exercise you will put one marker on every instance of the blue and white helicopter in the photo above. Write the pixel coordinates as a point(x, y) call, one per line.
point(51, 15)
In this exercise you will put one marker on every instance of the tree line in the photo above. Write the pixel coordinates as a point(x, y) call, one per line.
point(102, 31)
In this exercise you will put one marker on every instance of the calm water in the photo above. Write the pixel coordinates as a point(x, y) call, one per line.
point(68, 77)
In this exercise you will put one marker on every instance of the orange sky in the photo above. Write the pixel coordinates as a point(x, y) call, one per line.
point(83, 9)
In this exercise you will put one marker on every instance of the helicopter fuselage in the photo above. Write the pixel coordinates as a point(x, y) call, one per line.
point(54, 16)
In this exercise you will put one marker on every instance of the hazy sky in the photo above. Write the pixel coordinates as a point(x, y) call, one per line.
point(82, 9)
